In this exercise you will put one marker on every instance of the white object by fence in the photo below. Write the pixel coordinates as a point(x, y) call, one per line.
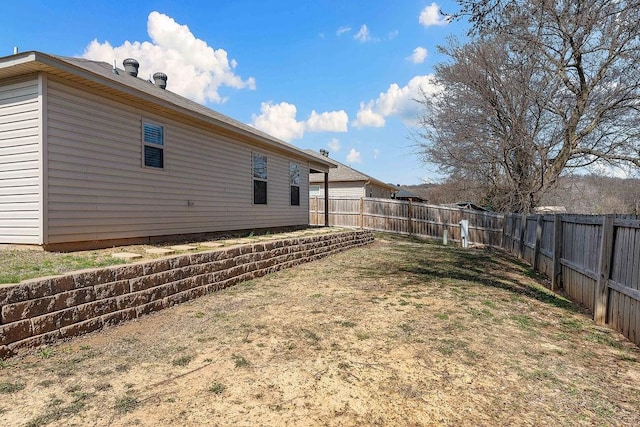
point(464, 233)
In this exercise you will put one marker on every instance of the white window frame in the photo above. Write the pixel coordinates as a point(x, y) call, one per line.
point(294, 181)
point(259, 178)
point(162, 146)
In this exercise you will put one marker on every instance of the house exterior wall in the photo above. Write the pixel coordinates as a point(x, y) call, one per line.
point(376, 191)
point(342, 190)
point(99, 190)
point(20, 155)
point(351, 190)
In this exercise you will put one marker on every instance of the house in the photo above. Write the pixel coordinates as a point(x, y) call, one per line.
point(403, 194)
point(467, 205)
point(346, 182)
point(543, 210)
point(94, 156)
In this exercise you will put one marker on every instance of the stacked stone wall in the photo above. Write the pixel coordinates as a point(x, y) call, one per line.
point(41, 311)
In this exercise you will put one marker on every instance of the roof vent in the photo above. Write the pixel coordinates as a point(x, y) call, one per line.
point(160, 80)
point(131, 66)
point(324, 152)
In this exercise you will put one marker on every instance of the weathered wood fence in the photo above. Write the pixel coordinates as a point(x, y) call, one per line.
point(411, 218)
point(595, 259)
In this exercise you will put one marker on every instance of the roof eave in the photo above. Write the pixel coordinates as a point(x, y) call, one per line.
point(41, 61)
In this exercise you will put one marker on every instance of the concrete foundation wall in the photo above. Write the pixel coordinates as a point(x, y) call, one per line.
point(42, 311)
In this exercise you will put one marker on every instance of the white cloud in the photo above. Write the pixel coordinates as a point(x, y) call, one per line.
point(393, 34)
point(280, 120)
point(343, 30)
point(430, 16)
point(418, 56)
point(363, 35)
point(334, 145)
point(353, 156)
point(195, 69)
point(366, 117)
point(396, 101)
point(329, 121)
point(376, 153)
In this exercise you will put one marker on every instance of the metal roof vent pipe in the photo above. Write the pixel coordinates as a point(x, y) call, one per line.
point(131, 66)
point(160, 80)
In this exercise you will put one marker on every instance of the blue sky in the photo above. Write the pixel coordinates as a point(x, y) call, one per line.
point(338, 75)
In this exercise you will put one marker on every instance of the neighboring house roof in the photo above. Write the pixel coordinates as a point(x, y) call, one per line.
point(116, 82)
point(401, 193)
point(550, 209)
point(467, 205)
point(344, 173)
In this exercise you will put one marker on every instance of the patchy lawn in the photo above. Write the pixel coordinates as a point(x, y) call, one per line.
point(401, 332)
point(21, 264)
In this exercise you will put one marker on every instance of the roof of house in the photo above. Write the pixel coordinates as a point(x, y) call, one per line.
point(550, 209)
point(115, 81)
point(344, 173)
point(466, 205)
point(401, 193)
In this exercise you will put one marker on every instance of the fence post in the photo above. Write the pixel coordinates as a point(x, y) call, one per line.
point(504, 231)
point(556, 274)
point(409, 216)
point(523, 231)
point(602, 286)
point(326, 199)
point(536, 249)
point(361, 212)
point(512, 245)
point(317, 208)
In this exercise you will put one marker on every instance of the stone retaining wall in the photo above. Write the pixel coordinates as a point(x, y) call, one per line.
point(41, 311)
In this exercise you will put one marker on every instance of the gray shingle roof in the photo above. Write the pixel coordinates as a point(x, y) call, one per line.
point(406, 194)
point(106, 70)
point(344, 173)
point(102, 73)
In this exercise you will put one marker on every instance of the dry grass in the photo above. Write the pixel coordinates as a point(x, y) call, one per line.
point(401, 332)
point(19, 264)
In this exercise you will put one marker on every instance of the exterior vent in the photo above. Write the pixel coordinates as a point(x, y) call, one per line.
point(131, 66)
point(160, 80)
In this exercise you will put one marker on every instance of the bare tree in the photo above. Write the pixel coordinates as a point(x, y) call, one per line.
point(487, 127)
point(559, 86)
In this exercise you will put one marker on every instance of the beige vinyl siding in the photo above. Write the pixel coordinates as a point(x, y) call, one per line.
point(98, 190)
point(20, 161)
point(343, 190)
point(376, 191)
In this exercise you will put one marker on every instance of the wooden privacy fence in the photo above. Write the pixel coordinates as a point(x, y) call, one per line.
point(596, 259)
point(404, 217)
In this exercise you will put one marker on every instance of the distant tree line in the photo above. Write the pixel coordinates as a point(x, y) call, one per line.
point(542, 89)
point(585, 194)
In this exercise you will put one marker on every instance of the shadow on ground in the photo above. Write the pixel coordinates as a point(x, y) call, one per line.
point(432, 262)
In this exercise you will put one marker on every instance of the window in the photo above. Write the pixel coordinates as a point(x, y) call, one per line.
point(259, 166)
point(153, 145)
point(314, 190)
point(294, 183)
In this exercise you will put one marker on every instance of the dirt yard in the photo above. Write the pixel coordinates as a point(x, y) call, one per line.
point(400, 333)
